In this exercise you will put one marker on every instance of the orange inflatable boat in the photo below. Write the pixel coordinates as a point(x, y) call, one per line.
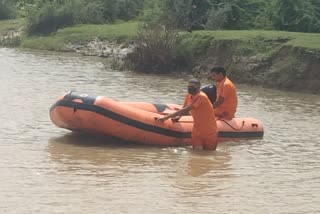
point(136, 121)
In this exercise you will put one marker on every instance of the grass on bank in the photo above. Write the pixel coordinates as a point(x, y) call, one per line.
point(127, 31)
point(304, 40)
point(11, 25)
point(81, 34)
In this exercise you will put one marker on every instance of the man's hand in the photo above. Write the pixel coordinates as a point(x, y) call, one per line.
point(181, 112)
point(162, 119)
point(223, 115)
point(219, 101)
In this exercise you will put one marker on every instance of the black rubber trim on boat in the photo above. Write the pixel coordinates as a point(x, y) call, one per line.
point(86, 98)
point(240, 134)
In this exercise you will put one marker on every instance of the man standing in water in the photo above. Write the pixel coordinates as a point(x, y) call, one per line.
point(204, 132)
point(226, 104)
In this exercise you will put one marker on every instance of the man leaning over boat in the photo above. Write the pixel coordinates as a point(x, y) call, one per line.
point(204, 131)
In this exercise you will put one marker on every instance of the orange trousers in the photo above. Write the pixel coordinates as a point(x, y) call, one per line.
point(208, 142)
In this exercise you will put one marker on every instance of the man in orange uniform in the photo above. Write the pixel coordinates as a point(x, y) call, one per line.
point(204, 132)
point(227, 101)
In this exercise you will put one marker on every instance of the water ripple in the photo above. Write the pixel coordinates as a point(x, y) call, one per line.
point(44, 169)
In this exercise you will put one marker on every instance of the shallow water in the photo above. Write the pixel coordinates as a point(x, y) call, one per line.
point(44, 169)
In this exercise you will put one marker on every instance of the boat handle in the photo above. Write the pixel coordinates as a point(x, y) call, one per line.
point(75, 107)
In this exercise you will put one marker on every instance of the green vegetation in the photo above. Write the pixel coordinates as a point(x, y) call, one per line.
point(7, 10)
point(47, 16)
point(10, 32)
point(11, 25)
point(128, 31)
point(304, 40)
point(82, 34)
point(157, 50)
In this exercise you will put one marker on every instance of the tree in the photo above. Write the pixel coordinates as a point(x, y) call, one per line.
point(7, 9)
point(217, 17)
point(296, 15)
point(188, 14)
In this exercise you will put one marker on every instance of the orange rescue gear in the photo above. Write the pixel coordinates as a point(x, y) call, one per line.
point(227, 90)
point(205, 127)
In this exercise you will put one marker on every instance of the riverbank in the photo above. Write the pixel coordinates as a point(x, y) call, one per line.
point(11, 32)
point(282, 60)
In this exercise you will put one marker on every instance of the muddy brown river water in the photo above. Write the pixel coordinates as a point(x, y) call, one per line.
point(43, 169)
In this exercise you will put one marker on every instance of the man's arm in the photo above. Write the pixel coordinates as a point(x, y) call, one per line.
point(224, 114)
point(181, 112)
point(225, 93)
point(219, 101)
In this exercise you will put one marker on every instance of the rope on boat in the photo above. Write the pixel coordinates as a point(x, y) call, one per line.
point(243, 122)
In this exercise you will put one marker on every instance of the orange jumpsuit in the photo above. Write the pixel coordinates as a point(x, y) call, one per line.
point(204, 132)
point(227, 90)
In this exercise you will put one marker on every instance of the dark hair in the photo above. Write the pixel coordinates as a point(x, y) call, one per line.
point(219, 70)
point(195, 81)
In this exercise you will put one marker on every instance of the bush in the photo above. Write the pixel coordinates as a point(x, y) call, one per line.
point(110, 9)
point(157, 51)
point(152, 11)
point(298, 15)
point(263, 22)
point(7, 10)
point(91, 12)
point(51, 17)
point(130, 9)
point(217, 17)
